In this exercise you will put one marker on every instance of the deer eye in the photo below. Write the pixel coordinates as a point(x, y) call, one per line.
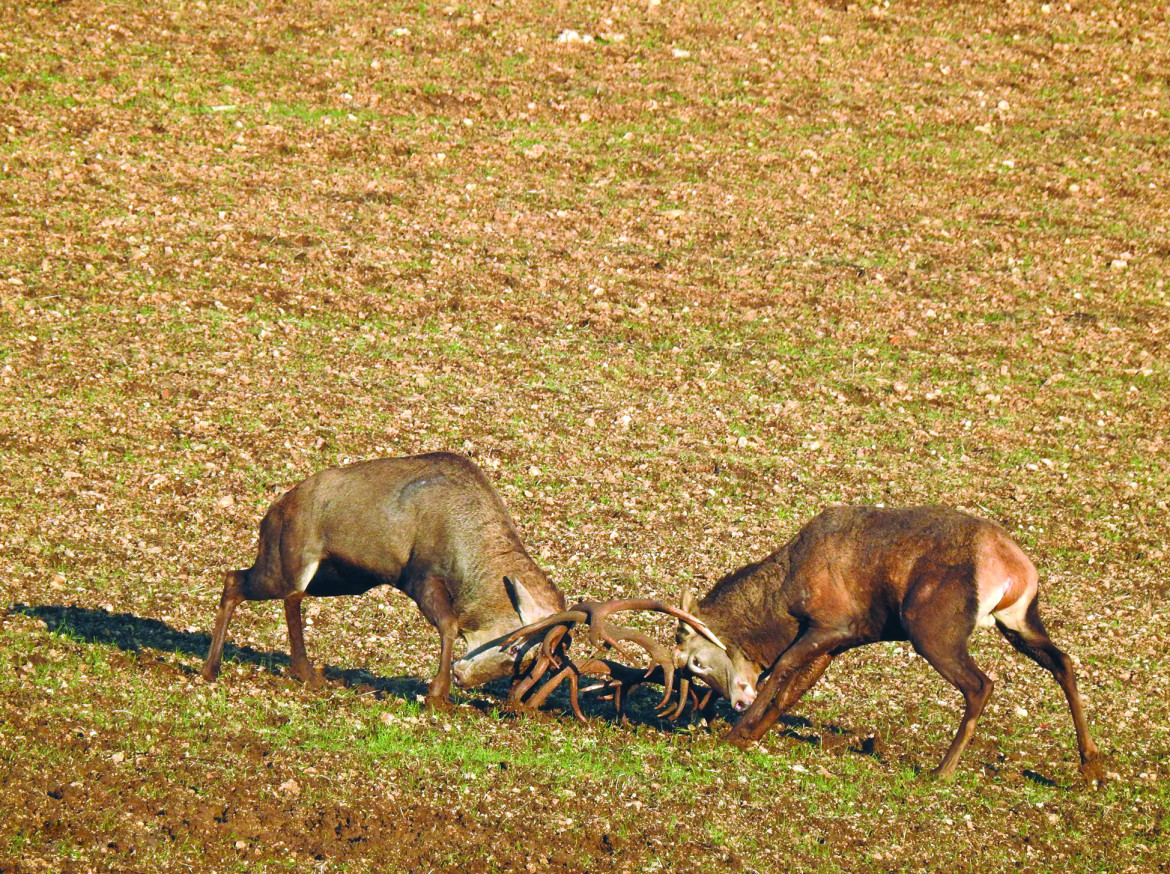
point(696, 663)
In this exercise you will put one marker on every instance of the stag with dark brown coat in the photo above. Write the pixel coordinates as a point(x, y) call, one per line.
point(857, 575)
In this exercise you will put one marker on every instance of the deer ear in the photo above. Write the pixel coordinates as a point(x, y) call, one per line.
point(687, 601)
point(522, 601)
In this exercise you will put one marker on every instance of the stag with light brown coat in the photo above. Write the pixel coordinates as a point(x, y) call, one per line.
point(857, 575)
point(433, 527)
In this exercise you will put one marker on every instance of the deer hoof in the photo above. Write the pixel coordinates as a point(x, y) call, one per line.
point(943, 775)
point(439, 704)
point(1091, 770)
point(312, 677)
point(738, 740)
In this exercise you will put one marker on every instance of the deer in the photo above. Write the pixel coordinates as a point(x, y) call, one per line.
point(857, 575)
point(429, 525)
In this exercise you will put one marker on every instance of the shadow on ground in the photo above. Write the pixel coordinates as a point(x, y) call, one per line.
point(131, 633)
point(135, 634)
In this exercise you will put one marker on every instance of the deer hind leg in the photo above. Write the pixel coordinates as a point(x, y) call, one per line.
point(233, 595)
point(939, 615)
point(434, 600)
point(301, 667)
point(1023, 630)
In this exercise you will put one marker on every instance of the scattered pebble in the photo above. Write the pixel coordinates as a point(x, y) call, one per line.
point(571, 36)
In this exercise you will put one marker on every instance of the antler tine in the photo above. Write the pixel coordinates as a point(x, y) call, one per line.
point(550, 655)
point(657, 652)
point(556, 642)
point(568, 618)
point(673, 712)
point(599, 610)
point(523, 683)
point(570, 671)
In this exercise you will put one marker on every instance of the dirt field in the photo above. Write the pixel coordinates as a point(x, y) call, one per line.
point(676, 275)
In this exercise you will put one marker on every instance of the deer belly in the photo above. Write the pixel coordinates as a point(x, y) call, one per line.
point(334, 579)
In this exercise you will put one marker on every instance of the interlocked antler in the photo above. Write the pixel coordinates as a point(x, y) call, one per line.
point(555, 642)
point(696, 694)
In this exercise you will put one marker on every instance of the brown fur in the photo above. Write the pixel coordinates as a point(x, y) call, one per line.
point(431, 525)
point(857, 575)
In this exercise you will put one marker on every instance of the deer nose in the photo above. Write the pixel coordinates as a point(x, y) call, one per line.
point(744, 699)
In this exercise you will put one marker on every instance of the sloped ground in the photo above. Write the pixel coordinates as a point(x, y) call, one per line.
point(677, 276)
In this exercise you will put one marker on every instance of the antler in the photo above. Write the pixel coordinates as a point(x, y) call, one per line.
point(554, 652)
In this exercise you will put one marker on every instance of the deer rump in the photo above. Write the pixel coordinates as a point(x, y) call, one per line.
point(858, 575)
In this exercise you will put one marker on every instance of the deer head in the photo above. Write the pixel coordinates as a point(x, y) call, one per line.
point(727, 671)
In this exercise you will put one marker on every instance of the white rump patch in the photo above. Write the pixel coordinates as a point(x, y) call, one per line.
point(989, 601)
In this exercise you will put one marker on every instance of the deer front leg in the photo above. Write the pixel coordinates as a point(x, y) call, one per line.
point(794, 672)
point(799, 682)
point(435, 602)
